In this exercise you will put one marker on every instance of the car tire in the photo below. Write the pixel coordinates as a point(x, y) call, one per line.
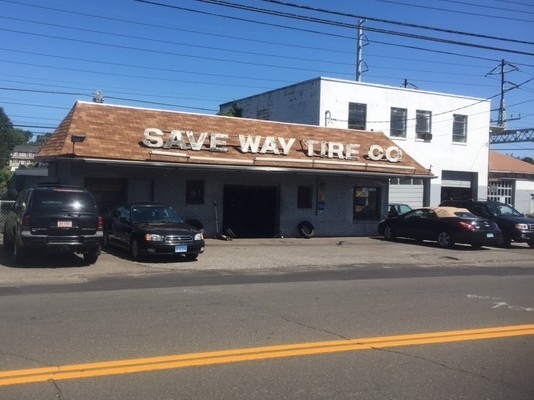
point(8, 241)
point(91, 256)
point(506, 241)
point(531, 243)
point(134, 249)
point(389, 234)
point(105, 239)
point(18, 255)
point(306, 229)
point(445, 240)
point(191, 257)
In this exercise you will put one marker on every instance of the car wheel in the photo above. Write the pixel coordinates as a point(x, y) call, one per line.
point(105, 239)
point(8, 242)
point(388, 233)
point(445, 240)
point(134, 249)
point(531, 243)
point(18, 255)
point(506, 241)
point(91, 256)
point(191, 257)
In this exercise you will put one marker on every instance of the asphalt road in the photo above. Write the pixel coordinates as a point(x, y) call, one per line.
point(57, 313)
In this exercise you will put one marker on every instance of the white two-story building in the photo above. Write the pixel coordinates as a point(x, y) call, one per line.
point(448, 134)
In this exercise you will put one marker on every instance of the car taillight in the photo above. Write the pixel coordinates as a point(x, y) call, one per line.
point(100, 223)
point(468, 226)
point(25, 222)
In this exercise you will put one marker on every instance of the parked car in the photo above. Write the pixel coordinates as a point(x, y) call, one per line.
point(54, 218)
point(446, 225)
point(147, 228)
point(396, 209)
point(514, 225)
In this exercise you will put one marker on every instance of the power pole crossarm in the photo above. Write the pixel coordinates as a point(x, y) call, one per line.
point(513, 136)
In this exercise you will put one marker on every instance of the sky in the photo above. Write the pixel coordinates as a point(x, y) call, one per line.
point(193, 55)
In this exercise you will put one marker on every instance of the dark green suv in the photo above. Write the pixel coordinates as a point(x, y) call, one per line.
point(54, 219)
point(514, 225)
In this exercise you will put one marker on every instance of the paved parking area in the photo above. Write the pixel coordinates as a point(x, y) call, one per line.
point(264, 256)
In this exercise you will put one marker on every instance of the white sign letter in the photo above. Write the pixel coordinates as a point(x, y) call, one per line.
point(196, 144)
point(248, 144)
point(153, 137)
point(286, 146)
point(269, 146)
point(218, 142)
point(396, 156)
point(375, 152)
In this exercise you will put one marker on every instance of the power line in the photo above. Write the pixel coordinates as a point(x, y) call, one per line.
point(404, 24)
point(330, 22)
point(453, 11)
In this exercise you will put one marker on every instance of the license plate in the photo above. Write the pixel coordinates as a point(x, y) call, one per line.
point(490, 235)
point(180, 249)
point(64, 224)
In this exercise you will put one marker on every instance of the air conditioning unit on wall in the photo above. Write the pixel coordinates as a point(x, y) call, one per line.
point(427, 137)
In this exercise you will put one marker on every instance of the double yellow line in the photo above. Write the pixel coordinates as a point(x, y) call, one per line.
point(91, 370)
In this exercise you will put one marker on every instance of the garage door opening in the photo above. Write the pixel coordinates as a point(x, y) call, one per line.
point(251, 211)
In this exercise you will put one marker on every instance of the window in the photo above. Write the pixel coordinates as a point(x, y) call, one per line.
point(397, 126)
point(459, 128)
point(357, 116)
point(304, 197)
point(366, 203)
point(194, 192)
point(423, 124)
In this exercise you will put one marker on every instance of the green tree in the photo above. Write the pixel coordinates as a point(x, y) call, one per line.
point(5, 175)
point(10, 137)
point(234, 111)
point(530, 160)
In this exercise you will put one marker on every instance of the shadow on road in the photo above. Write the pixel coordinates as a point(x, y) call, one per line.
point(35, 259)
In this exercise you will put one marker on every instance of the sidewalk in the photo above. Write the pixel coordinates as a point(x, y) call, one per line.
point(265, 256)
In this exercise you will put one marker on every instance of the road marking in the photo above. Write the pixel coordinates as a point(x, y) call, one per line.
point(91, 370)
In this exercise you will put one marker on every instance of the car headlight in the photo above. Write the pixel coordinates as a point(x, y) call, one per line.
point(199, 236)
point(523, 227)
point(154, 237)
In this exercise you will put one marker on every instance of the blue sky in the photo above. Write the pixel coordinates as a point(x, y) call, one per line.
point(192, 55)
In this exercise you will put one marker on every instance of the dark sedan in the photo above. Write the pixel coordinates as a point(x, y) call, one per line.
point(446, 225)
point(152, 229)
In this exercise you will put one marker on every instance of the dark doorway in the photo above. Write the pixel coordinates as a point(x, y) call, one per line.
point(251, 211)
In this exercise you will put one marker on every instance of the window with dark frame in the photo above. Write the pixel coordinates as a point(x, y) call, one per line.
point(366, 203)
point(194, 192)
point(398, 122)
point(459, 128)
point(304, 197)
point(423, 124)
point(357, 116)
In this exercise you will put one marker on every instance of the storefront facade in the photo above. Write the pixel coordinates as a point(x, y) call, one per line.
point(255, 178)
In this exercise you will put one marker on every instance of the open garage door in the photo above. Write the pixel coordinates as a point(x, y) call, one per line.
point(251, 211)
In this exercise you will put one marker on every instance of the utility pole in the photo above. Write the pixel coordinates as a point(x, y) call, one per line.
point(359, 52)
point(501, 70)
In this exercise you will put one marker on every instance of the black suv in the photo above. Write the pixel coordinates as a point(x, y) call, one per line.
point(54, 218)
point(514, 225)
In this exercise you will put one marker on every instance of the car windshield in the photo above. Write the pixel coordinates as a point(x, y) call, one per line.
point(58, 200)
point(154, 214)
point(403, 208)
point(498, 209)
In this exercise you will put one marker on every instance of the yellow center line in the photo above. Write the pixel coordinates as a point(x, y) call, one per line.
point(119, 367)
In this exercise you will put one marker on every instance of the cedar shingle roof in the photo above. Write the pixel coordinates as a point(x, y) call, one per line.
point(116, 133)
